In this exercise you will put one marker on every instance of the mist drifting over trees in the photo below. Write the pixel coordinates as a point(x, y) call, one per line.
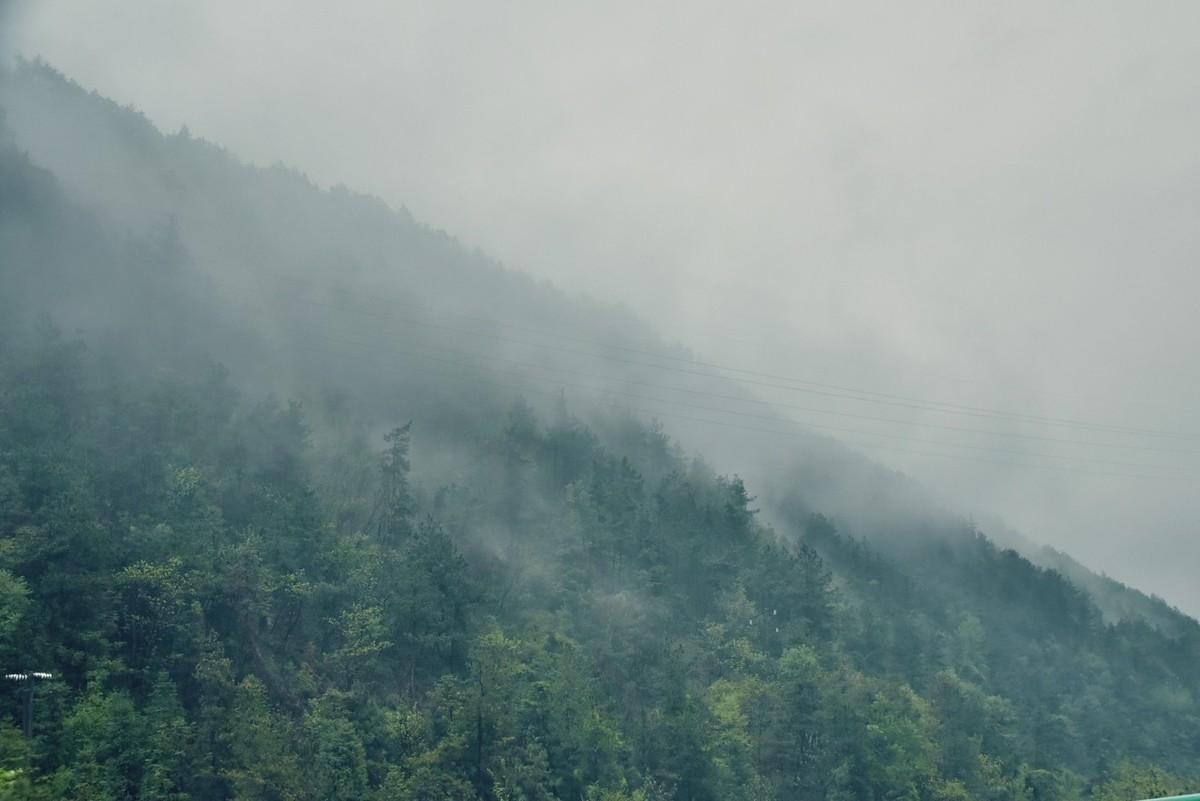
point(302, 499)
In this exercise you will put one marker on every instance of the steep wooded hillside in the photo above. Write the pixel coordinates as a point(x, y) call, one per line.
point(321, 543)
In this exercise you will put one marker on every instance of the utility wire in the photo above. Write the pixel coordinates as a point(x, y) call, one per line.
point(771, 418)
point(771, 404)
point(520, 388)
point(892, 399)
point(563, 385)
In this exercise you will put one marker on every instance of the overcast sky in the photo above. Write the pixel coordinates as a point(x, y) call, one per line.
point(993, 205)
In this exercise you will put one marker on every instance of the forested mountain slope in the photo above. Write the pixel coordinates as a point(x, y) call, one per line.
point(244, 596)
point(334, 290)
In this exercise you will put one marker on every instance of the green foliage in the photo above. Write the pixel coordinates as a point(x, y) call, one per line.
point(552, 624)
point(246, 598)
point(1131, 781)
point(260, 759)
point(14, 605)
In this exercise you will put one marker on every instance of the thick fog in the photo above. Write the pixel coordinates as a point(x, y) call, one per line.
point(971, 229)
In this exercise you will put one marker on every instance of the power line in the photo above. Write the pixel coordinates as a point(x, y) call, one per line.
point(409, 321)
point(373, 348)
point(525, 388)
point(772, 418)
point(772, 404)
point(873, 396)
point(811, 410)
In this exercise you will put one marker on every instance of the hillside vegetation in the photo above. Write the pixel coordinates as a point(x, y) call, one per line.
point(265, 565)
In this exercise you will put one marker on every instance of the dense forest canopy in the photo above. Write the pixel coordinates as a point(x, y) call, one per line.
point(275, 550)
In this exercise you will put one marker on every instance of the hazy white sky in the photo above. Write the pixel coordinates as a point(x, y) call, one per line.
point(988, 204)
